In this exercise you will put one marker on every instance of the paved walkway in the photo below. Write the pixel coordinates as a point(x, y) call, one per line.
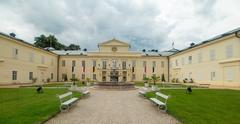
point(113, 107)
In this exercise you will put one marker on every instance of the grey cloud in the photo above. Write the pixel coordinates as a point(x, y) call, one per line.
point(142, 23)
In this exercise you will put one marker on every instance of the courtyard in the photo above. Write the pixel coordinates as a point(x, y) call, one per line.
point(204, 105)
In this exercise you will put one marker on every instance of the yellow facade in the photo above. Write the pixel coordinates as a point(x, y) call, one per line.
point(114, 53)
point(22, 58)
point(215, 62)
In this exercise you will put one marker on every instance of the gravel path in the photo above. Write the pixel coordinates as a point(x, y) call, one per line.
point(113, 107)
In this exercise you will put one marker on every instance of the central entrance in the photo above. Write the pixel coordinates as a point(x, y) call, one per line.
point(114, 76)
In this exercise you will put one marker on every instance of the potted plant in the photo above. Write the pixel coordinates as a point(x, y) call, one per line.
point(88, 81)
point(34, 80)
point(146, 81)
point(155, 79)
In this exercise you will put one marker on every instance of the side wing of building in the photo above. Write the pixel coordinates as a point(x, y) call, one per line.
point(215, 62)
point(21, 62)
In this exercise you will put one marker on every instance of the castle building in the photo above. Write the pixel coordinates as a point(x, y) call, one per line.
point(215, 61)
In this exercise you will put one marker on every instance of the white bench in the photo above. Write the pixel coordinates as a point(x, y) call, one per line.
point(143, 91)
point(67, 84)
point(161, 104)
point(66, 100)
point(84, 91)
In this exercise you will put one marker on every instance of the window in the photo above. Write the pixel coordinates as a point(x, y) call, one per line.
point(199, 57)
point(229, 73)
point(30, 75)
point(212, 55)
point(144, 76)
point(83, 63)
point(15, 53)
point(176, 62)
point(170, 64)
point(162, 64)
point(94, 63)
point(31, 57)
point(52, 76)
point(64, 77)
point(73, 76)
point(144, 63)
point(52, 62)
point(133, 76)
point(14, 75)
point(114, 64)
point(154, 63)
point(145, 66)
point(104, 64)
point(83, 76)
point(133, 66)
point(73, 68)
point(133, 63)
point(63, 63)
point(229, 51)
point(153, 66)
point(183, 62)
point(94, 77)
point(42, 60)
point(124, 64)
point(73, 63)
point(83, 66)
point(213, 75)
point(189, 59)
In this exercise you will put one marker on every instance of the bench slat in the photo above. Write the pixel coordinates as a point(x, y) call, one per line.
point(162, 95)
point(70, 101)
point(157, 101)
point(65, 95)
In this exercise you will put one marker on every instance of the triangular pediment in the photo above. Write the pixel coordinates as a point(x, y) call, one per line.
point(114, 42)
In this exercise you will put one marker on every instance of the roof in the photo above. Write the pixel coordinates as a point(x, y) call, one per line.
point(160, 53)
point(114, 40)
point(210, 40)
point(70, 52)
point(24, 42)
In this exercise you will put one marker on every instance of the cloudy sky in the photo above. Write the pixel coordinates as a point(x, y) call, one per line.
point(149, 24)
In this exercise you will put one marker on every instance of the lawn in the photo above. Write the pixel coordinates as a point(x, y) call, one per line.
point(204, 106)
point(160, 84)
point(25, 106)
point(62, 84)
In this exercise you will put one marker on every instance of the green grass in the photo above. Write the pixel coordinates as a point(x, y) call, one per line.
point(25, 106)
point(204, 106)
point(61, 84)
point(159, 84)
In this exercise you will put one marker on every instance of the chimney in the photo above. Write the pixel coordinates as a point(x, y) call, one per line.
point(192, 44)
point(12, 34)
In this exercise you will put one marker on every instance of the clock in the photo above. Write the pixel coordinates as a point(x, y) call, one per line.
point(114, 49)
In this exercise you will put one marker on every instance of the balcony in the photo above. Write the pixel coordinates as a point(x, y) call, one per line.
point(42, 66)
point(2, 60)
point(229, 61)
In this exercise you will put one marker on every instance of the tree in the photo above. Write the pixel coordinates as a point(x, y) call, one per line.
point(146, 79)
point(155, 79)
point(49, 41)
point(73, 47)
